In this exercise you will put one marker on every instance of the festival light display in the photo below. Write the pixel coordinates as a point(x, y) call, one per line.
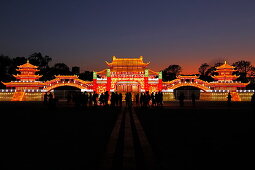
point(127, 75)
point(26, 80)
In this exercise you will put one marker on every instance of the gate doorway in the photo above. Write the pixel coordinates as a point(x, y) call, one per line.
point(125, 87)
point(187, 91)
point(64, 92)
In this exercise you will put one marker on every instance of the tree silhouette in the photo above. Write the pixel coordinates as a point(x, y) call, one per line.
point(41, 61)
point(171, 72)
point(86, 75)
point(244, 67)
point(203, 69)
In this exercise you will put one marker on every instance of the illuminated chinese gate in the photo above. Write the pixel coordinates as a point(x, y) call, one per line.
point(127, 75)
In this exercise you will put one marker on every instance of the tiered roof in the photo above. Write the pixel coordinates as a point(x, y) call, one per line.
point(225, 73)
point(27, 77)
point(127, 64)
point(27, 72)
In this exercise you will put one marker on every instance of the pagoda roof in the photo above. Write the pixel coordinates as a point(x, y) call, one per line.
point(127, 62)
point(27, 65)
point(67, 76)
point(225, 66)
point(27, 76)
point(135, 69)
point(187, 76)
point(24, 83)
point(151, 72)
point(27, 69)
point(102, 72)
point(226, 83)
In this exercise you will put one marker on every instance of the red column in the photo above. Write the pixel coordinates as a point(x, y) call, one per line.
point(108, 84)
point(95, 85)
point(146, 84)
point(146, 80)
point(160, 81)
point(159, 84)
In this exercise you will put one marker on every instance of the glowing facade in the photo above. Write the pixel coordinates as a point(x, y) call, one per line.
point(27, 79)
point(126, 75)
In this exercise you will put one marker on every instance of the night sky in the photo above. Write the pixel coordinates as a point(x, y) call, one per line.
point(86, 33)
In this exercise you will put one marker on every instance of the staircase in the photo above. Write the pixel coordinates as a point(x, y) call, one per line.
point(235, 96)
point(18, 96)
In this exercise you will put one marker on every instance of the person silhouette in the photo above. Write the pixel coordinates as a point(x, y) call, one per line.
point(229, 97)
point(193, 98)
point(181, 99)
point(45, 98)
point(253, 100)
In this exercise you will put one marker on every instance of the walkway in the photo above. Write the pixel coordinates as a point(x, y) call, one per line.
point(128, 147)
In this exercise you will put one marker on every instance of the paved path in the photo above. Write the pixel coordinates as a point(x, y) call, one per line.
point(128, 147)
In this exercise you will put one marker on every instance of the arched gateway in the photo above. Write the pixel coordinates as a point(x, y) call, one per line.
point(189, 80)
point(68, 80)
point(127, 75)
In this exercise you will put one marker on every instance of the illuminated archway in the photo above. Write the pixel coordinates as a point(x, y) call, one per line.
point(188, 92)
point(51, 87)
point(197, 85)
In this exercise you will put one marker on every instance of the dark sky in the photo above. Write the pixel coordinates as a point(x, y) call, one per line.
point(88, 32)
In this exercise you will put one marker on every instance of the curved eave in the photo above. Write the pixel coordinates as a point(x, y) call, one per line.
point(28, 66)
point(103, 72)
point(187, 77)
point(27, 76)
point(227, 76)
point(66, 76)
point(107, 63)
point(225, 71)
point(85, 82)
point(151, 72)
point(170, 82)
point(229, 84)
point(27, 69)
point(15, 84)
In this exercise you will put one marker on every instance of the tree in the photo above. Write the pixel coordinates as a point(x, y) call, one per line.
point(5, 63)
point(40, 61)
point(244, 70)
point(171, 72)
point(61, 69)
point(203, 69)
point(206, 71)
point(86, 75)
point(244, 67)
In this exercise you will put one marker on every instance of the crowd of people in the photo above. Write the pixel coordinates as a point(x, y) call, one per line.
point(116, 99)
point(84, 99)
point(50, 100)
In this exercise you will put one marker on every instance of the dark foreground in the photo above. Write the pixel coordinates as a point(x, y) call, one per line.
point(208, 136)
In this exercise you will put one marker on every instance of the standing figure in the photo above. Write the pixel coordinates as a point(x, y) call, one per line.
point(137, 99)
point(120, 99)
point(94, 98)
point(45, 98)
point(229, 99)
point(193, 99)
point(253, 100)
point(153, 99)
point(128, 99)
point(181, 99)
